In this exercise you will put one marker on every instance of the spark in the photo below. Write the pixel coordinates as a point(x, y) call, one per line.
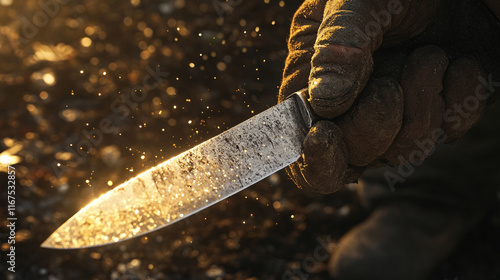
point(49, 79)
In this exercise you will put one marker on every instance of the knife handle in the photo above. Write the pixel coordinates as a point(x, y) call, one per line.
point(302, 99)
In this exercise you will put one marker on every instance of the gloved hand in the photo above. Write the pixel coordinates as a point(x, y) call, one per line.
point(391, 78)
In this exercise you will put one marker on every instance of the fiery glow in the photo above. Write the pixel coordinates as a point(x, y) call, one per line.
point(8, 156)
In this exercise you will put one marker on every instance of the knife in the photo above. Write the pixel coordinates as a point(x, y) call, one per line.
point(193, 180)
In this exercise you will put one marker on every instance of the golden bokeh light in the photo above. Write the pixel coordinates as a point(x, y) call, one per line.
point(86, 42)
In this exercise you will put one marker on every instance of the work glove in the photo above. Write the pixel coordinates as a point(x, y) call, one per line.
point(389, 79)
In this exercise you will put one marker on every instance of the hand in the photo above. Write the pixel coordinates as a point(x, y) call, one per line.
point(391, 78)
point(422, 76)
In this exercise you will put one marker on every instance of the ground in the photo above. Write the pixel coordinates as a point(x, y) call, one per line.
point(164, 75)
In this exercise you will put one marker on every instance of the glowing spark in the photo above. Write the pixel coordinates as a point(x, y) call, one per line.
point(86, 42)
point(49, 79)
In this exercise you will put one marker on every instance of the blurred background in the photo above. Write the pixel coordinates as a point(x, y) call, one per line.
point(165, 76)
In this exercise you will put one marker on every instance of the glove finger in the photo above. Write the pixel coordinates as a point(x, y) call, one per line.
point(322, 168)
point(422, 83)
point(465, 97)
point(342, 62)
point(352, 174)
point(371, 125)
point(303, 31)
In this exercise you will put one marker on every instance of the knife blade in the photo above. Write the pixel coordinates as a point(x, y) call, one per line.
point(193, 180)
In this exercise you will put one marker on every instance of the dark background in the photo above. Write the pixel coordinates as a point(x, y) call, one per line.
point(64, 67)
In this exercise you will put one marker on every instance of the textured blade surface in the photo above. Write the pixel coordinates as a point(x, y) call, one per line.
point(189, 182)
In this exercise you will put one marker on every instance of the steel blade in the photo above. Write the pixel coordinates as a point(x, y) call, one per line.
point(191, 181)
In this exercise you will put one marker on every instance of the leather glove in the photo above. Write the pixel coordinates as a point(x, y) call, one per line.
point(390, 78)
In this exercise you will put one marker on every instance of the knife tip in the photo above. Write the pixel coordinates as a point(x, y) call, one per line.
point(47, 244)
point(50, 243)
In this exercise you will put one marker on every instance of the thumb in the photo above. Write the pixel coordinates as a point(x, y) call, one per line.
point(342, 62)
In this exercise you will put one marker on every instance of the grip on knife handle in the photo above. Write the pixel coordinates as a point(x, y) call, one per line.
point(302, 97)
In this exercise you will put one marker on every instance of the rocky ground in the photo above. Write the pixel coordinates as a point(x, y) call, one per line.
point(67, 67)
